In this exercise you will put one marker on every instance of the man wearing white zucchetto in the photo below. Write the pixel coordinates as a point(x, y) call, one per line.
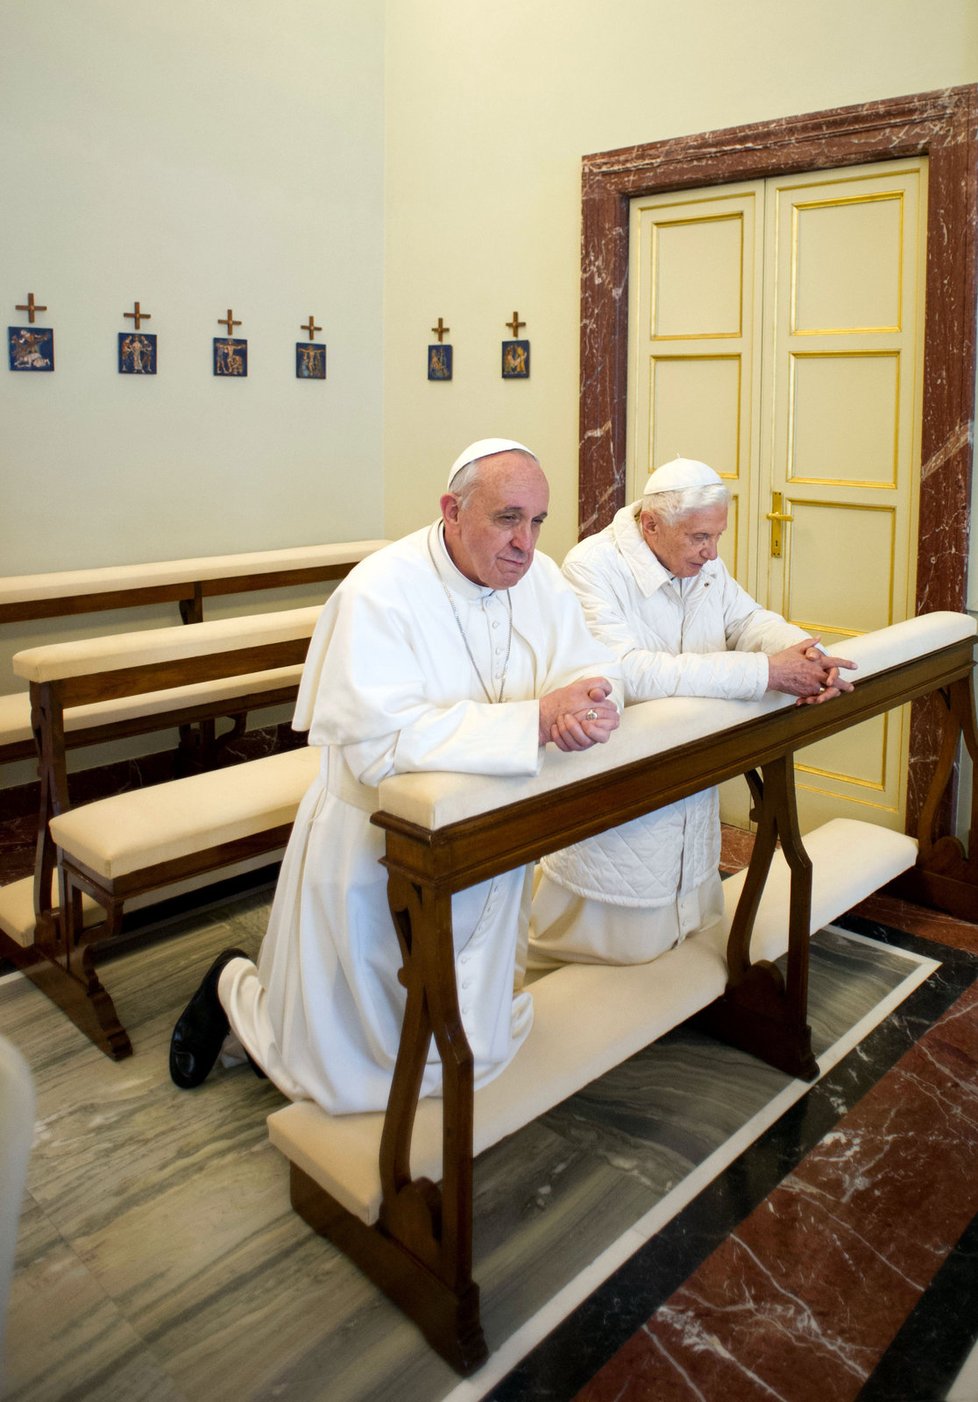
point(456, 648)
point(655, 592)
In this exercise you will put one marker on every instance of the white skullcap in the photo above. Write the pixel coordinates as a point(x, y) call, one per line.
point(484, 448)
point(680, 473)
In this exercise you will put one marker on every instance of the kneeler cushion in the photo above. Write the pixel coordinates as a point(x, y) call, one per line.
point(588, 1018)
point(130, 831)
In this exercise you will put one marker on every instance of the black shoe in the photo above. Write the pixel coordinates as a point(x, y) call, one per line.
point(201, 1028)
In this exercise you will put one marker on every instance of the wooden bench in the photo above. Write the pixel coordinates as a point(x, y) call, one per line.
point(394, 1190)
point(72, 593)
point(133, 844)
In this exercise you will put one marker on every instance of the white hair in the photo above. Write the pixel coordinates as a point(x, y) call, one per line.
point(670, 506)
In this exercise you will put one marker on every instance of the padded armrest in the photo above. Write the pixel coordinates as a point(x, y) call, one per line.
point(64, 584)
point(86, 656)
point(436, 800)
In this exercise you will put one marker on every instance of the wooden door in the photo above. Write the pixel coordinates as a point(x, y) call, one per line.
point(776, 334)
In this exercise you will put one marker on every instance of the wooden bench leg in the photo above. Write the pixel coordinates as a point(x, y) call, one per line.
point(945, 876)
point(762, 1012)
point(65, 972)
point(431, 1224)
point(448, 1318)
point(420, 1251)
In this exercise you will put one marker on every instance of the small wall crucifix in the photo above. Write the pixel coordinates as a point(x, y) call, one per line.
point(440, 356)
point(137, 316)
point(137, 349)
point(27, 349)
point(30, 307)
point(516, 354)
point(310, 359)
point(230, 354)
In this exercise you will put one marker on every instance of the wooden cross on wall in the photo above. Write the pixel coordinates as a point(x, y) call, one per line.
point(311, 327)
point(441, 330)
point(138, 315)
point(515, 324)
point(30, 307)
point(228, 321)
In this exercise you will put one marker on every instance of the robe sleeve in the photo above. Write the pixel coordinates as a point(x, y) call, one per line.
point(651, 673)
point(750, 628)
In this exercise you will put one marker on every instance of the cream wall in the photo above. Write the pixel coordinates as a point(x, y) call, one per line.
point(489, 111)
point(196, 155)
point(378, 164)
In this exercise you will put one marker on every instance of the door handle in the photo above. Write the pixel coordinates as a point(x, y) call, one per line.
point(776, 516)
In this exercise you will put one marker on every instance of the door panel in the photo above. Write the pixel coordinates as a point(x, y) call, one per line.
point(846, 256)
point(825, 590)
point(695, 313)
point(697, 287)
point(681, 385)
point(841, 441)
point(845, 413)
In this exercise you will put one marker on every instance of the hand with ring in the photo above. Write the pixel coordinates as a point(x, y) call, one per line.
point(579, 715)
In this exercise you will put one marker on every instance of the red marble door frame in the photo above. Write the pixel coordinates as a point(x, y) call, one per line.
point(940, 125)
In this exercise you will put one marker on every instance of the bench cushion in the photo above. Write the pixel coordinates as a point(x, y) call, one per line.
point(17, 897)
point(17, 911)
point(15, 708)
point(63, 584)
point(15, 718)
point(588, 1018)
point(85, 656)
point(129, 831)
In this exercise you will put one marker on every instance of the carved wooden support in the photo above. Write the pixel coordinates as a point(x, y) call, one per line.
point(420, 1253)
point(946, 875)
point(70, 981)
point(47, 722)
point(761, 1011)
point(432, 1223)
point(448, 1319)
point(57, 964)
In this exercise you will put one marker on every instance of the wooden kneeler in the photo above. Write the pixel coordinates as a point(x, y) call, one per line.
point(114, 850)
point(410, 1233)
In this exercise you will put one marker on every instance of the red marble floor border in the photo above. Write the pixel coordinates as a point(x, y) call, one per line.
point(802, 1300)
point(916, 920)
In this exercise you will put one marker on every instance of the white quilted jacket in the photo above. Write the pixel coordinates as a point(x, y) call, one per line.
point(710, 640)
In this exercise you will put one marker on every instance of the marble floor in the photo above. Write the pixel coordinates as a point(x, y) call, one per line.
point(697, 1226)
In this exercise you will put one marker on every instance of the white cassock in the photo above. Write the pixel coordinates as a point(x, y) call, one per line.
point(629, 894)
point(390, 688)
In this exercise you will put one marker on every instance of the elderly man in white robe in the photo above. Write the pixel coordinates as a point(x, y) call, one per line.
point(457, 648)
point(654, 590)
